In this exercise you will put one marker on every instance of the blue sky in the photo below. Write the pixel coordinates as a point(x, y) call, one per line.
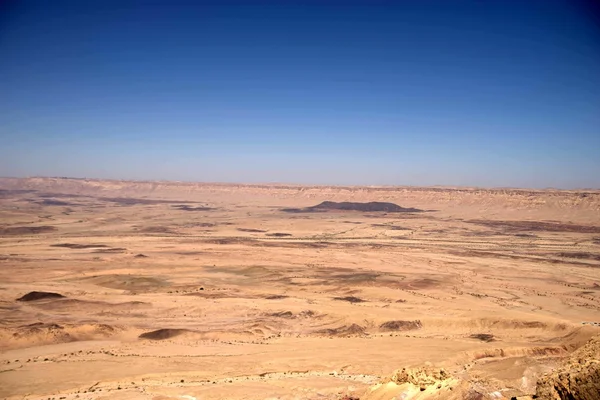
point(475, 93)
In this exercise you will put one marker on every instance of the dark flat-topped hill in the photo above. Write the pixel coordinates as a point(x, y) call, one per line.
point(372, 206)
point(351, 206)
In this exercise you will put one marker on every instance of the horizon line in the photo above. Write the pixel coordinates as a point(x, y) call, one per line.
point(288, 184)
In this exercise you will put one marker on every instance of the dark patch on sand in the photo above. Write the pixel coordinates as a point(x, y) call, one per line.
point(283, 314)
point(525, 235)
point(111, 250)
point(157, 229)
point(425, 283)
point(62, 195)
point(358, 277)
point(294, 245)
point(78, 246)
point(51, 202)
point(490, 254)
point(398, 325)
point(350, 299)
point(42, 325)
point(475, 233)
point(343, 331)
point(391, 227)
point(251, 230)
point(162, 334)
point(301, 244)
point(537, 226)
point(130, 201)
point(47, 331)
point(276, 297)
point(310, 314)
point(233, 240)
point(14, 192)
point(278, 234)
point(200, 225)
point(580, 255)
point(26, 230)
point(184, 207)
point(484, 337)
point(33, 296)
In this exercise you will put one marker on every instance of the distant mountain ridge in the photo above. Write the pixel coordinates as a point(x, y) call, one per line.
point(582, 206)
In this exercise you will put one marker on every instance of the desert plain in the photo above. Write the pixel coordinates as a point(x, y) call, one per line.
point(174, 290)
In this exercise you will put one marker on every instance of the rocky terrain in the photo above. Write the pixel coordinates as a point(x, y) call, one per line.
point(577, 378)
point(173, 290)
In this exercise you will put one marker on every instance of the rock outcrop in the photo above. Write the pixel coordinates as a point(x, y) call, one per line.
point(577, 379)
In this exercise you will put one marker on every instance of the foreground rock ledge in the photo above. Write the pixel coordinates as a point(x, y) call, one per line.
point(577, 379)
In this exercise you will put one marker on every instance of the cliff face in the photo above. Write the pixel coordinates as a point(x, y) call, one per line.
point(577, 379)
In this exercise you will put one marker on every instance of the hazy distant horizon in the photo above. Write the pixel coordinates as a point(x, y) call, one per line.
point(299, 184)
point(451, 93)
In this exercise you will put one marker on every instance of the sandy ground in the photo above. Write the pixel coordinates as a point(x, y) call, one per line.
point(237, 299)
